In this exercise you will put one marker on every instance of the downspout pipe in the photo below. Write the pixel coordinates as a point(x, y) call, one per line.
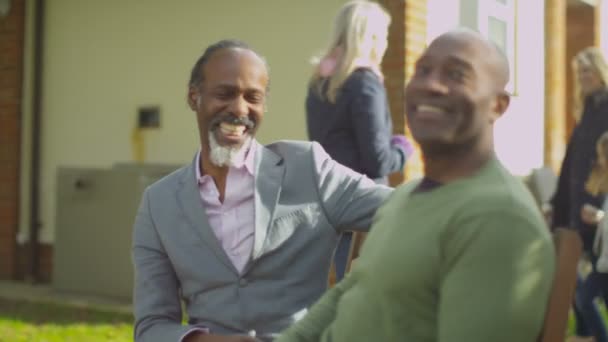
point(33, 273)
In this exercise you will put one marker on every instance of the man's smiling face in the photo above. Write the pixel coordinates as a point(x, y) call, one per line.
point(451, 100)
point(231, 99)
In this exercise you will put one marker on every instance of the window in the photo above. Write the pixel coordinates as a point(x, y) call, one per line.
point(497, 21)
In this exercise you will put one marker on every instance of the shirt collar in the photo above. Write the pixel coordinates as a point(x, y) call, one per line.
point(245, 158)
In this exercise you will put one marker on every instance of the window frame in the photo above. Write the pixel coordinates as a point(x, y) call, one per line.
point(507, 13)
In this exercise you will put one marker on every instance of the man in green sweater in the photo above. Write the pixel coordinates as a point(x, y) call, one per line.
point(462, 255)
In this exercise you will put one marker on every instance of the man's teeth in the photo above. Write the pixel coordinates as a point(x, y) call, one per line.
point(430, 109)
point(231, 129)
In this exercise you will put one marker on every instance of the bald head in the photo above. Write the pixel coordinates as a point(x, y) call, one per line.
point(494, 58)
point(456, 94)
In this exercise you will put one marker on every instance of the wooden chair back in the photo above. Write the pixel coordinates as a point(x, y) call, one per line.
point(568, 248)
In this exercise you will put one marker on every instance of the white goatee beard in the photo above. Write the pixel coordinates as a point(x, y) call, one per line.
point(223, 155)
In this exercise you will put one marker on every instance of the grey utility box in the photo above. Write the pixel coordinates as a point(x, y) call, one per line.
point(94, 221)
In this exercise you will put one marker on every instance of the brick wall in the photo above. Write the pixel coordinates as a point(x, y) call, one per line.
point(580, 33)
point(407, 39)
point(23, 263)
point(555, 82)
point(415, 43)
point(11, 70)
point(573, 27)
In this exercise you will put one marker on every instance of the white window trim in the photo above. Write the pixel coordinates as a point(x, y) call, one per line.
point(506, 13)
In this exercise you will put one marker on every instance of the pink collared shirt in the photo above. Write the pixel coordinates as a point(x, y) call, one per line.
point(232, 221)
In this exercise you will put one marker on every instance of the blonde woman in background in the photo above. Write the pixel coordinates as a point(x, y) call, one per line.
point(591, 85)
point(347, 110)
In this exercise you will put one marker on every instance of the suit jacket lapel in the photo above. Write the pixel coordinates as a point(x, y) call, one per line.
point(269, 172)
point(189, 199)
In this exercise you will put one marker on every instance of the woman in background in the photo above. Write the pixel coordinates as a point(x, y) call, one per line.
point(591, 112)
point(347, 109)
point(596, 282)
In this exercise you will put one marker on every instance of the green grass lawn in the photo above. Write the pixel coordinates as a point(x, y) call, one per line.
point(35, 322)
point(603, 311)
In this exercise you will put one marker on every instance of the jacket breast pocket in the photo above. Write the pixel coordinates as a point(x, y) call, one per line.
point(287, 224)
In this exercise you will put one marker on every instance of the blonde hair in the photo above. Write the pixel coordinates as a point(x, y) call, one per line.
point(598, 178)
point(356, 28)
point(591, 57)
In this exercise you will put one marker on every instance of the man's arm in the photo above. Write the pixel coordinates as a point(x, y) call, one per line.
point(157, 308)
point(497, 269)
point(379, 157)
point(349, 199)
point(313, 326)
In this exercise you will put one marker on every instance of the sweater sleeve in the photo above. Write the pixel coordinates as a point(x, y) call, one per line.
point(508, 302)
point(372, 130)
point(313, 327)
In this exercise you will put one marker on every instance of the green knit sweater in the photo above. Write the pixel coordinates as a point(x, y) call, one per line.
point(468, 261)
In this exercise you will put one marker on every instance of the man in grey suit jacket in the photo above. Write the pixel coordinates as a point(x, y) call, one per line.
point(244, 235)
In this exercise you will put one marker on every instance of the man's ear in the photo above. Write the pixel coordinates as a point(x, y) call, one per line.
point(193, 98)
point(500, 105)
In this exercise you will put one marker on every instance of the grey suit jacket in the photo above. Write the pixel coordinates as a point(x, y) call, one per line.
point(303, 200)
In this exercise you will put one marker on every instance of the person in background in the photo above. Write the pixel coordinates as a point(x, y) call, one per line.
point(597, 185)
point(596, 282)
point(591, 112)
point(346, 107)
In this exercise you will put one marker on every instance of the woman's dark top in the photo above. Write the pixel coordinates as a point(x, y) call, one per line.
point(571, 195)
point(356, 130)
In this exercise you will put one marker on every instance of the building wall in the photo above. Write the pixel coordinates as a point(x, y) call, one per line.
point(443, 16)
point(102, 60)
point(603, 26)
point(580, 34)
point(407, 40)
point(416, 25)
point(555, 83)
point(574, 25)
point(11, 78)
point(519, 133)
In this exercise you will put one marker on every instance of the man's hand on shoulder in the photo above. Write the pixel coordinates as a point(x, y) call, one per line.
point(203, 337)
